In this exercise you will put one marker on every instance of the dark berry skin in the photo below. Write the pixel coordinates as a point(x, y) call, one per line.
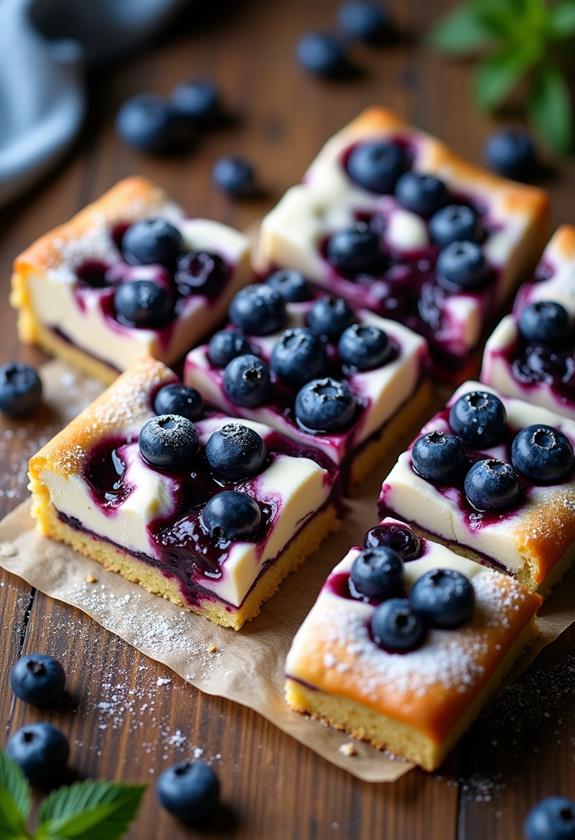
point(179, 399)
point(542, 453)
point(247, 381)
point(444, 597)
point(235, 451)
point(197, 101)
point(226, 345)
point(201, 273)
point(511, 153)
point(478, 418)
point(258, 309)
point(325, 405)
point(454, 223)
point(491, 484)
point(377, 165)
point(365, 21)
point(231, 515)
point(400, 538)
point(396, 627)
point(189, 790)
point(364, 347)
point(152, 125)
point(41, 751)
point(329, 317)
point(152, 241)
point(551, 819)
point(20, 389)
point(322, 54)
point(143, 304)
point(38, 679)
point(378, 573)
point(439, 457)
point(462, 265)
point(235, 177)
point(169, 442)
point(356, 250)
point(422, 194)
point(545, 322)
point(290, 284)
point(298, 356)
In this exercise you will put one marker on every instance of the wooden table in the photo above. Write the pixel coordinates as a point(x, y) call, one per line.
point(129, 721)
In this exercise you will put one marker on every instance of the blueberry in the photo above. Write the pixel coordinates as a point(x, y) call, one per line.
point(478, 418)
point(439, 457)
point(400, 538)
point(197, 101)
point(189, 790)
point(377, 165)
point(258, 310)
point(201, 273)
point(378, 573)
point(444, 597)
point(143, 303)
point(247, 381)
point(231, 515)
point(551, 819)
point(41, 751)
point(366, 21)
point(235, 177)
point(179, 399)
point(329, 317)
point(511, 153)
point(322, 54)
point(20, 389)
point(356, 250)
point(152, 125)
point(38, 679)
point(151, 241)
point(396, 627)
point(226, 345)
point(462, 265)
point(364, 347)
point(545, 322)
point(325, 405)
point(454, 223)
point(169, 442)
point(298, 356)
point(542, 453)
point(423, 194)
point(491, 484)
point(290, 284)
point(235, 451)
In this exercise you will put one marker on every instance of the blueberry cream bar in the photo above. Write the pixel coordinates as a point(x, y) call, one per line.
point(332, 378)
point(206, 510)
point(531, 353)
point(406, 643)
point(391, 219)
point(129, 276)
point(494, 474)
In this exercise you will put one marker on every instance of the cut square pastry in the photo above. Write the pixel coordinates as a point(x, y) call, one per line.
point(406, 643)
point(129, 276)
point(200, 508)
point(391, 219)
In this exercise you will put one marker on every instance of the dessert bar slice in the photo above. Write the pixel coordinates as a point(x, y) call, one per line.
point(407, 642)
point(205, 510)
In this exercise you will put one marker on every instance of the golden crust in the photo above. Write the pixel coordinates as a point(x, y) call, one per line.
point(562, 242)
point(546, 532)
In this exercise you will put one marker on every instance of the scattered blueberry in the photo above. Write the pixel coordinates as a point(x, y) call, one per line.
point(444, 597)
point(551, 819)
point(197, 101)
point(365, 21)
point(491, 484)
point(325, 405)
point(322, 54)
point(143, 303)
point(150, 241)
point(247, 381)
point(439, 457)
point(168, 442)
point(258, 310)
point(511, 153)
point(329, 317)
point(179, 399)
point(396, 627)
point(462, 265)
point(20, 389)
point(364, 347)
point(290, 284)
point(423, 194)
point(400, 538)
point(298, 356)
point(153, 125)
point(378, 573)
point(235, 176)
point(542, 453)
point(454, 223)
point(41, 751)
point(189, 790)
point(231, 515)
point(226, 345)
point(201, 273)
point(235, 451)
point(478, 418)
point(38, 679)
point(545, 322)
point(377, 165)
point(356, 250)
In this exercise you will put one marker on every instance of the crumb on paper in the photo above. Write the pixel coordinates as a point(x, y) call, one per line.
point(91, 579)
point(8, 549)
point(348, 749)
point(163, 681)
point(212, 648)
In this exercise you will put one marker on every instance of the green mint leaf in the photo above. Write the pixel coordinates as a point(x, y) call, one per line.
point(549, 108)
point(561, 20)
point(460, 31)
point(15, 799)
point(500, 17)
point(497, 75)
point(89, 810)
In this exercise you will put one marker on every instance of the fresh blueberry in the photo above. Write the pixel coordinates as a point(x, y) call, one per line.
point(151, 241)
point(197, 101)
point(423, 194)
point(478, 418)
point(356, 250)
point(235, 177)
point(226, 345)
point(364, 347)
point(400, 538)
point(378, 573)
point(20, 389)
point(365, 21)
point(290, 284)
point(41, 751)
point(235, 451)
point(542, 453)
point(396, 627)
point(169, 442)
point(551, 819)
point(189, 790)
point(322, 54)
point(325, 405)
point(462, 265)
point(38, 679)
point(201, 273)
point(231, 515)
point(179, 399)
point(247, 381)
point(454, 223)
point(377, 165)
point(440, 457)
point(152, 125)
point(511, 153)
point(258, 310)
point(444, 597)
point(329, 317)
point(545, 322)
point(143, 303)
point(491, 484)
point(299, 356)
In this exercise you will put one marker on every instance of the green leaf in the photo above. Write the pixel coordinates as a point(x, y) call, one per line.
point(90, 810)
point(460, 31)
point(549, 107)
point(15, 800)
point(561, 20)
point(496, 76)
